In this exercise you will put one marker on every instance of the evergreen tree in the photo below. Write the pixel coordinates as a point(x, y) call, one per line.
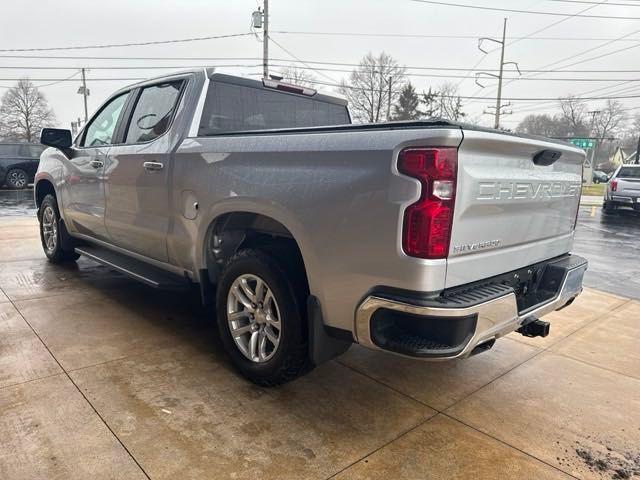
point(407, 106)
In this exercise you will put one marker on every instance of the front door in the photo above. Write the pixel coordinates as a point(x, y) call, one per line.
point(137, 174)
point(84, 202)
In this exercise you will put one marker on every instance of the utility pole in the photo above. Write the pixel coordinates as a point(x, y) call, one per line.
point(499, 99)
point(265, 41)
point(85, 93)
point(638, 152)
point(503, 43)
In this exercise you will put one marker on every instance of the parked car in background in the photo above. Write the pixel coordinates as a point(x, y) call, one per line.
point(623, 189)
point(428, 239)
point(19, 163)
point(600, 177)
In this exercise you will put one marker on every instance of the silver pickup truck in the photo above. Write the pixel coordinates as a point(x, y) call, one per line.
point(427, 239)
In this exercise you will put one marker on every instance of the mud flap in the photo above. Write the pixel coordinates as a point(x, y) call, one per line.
point(323, 343)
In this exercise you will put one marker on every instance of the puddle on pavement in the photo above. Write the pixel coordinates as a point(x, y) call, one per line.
point(17, 203)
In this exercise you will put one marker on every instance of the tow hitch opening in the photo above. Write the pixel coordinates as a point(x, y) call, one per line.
point(535, 328)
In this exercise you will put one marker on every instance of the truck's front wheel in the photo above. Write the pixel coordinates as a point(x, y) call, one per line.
point(51, 233)
point(260, 319)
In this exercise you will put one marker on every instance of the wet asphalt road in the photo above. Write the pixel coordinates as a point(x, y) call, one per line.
point(610, 243)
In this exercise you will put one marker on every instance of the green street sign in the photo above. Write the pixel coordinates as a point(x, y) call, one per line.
point(582, 142)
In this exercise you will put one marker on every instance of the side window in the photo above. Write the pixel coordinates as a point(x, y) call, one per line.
point(9, 150)
point(101, 129)
point(31, 151)
point(153, 112)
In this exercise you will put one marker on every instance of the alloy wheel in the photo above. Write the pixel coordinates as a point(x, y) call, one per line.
point(253, 317)
point(49, 228)
point(18, 179)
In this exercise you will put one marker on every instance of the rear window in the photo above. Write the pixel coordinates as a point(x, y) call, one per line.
point(629, 172)
point(232, 108)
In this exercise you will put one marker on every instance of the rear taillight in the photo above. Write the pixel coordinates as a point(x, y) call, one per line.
point(614, 185)
point(426, 231)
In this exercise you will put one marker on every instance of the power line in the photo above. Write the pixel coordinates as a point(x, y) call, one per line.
point(130, 44)
point(57, 80)
point(562, 20)
point(532, 12)
point(312, 62)
point(583, 53)
point(49, 84)
point(515, 99)
point(302, 61)
point(596, 3)
point(458, 37)
point(316, 69)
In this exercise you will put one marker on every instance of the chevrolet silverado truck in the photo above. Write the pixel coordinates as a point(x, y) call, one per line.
point(428, 239)
point(623, 189)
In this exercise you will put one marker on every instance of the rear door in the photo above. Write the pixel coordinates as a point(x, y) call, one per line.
point(137, 172)
point(511, 209)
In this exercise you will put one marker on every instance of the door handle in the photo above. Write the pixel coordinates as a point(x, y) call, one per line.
point(97, 163)
point(153, 166)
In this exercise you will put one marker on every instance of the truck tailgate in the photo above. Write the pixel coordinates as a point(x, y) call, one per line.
point(509, 211)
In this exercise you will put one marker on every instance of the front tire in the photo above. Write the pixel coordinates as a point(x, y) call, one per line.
point(260, 319)
point(50, 232)
point(17, 179)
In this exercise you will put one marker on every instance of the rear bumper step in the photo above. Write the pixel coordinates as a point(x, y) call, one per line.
point(452, 324)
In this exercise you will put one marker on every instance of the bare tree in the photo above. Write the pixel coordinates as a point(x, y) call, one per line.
point(297, 76)
point(574, 111)
point(546, 125)
point(367, 90)
point(443, 102)
point(607, 121)
point(24, 111)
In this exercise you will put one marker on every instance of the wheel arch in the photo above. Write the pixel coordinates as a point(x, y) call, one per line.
point(42, 188)
point(232, 230)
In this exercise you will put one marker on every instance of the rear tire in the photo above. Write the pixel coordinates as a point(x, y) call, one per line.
point(17, 179)
point(260, 319)
point(50, 232)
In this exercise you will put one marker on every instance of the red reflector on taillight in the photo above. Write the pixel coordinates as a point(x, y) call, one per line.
point(614, 185)
point(426, 231)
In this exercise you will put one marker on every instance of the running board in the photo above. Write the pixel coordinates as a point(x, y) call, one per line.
point(143, 272)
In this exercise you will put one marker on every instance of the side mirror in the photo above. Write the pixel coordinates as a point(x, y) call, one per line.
point(56, 137)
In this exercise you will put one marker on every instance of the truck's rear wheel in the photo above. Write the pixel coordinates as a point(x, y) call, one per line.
point(261, 320)
point(51, 233)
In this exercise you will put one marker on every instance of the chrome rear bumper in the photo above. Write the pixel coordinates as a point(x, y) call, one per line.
point(495, 318)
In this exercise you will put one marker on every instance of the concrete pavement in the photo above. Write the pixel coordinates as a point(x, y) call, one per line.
point(101, 377)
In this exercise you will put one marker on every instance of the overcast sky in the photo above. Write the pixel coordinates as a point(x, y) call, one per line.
point(42, 24)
